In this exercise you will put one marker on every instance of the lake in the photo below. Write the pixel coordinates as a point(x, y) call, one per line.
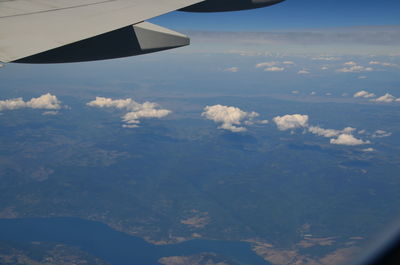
point(116, 247)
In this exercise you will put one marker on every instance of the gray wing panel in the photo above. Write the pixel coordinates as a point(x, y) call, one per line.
point(27, 31)
point(24, 7)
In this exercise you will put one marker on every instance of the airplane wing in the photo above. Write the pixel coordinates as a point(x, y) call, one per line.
point(58, 31)
point(43, 31)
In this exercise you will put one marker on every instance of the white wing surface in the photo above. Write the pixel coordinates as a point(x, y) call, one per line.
point(31, 27)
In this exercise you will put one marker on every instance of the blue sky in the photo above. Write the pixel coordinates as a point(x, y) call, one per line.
point(291, 14)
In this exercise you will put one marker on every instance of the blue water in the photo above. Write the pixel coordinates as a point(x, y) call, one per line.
point(115, 247)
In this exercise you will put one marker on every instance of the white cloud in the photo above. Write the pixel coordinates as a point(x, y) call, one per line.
point(290, 122)
point(274, 69)
point(313, 93)
point(351, 63)
point(232, 69)
point(288, 62)
point(381, 134)
point(11, 104)
point(387, 98)
point(102, 102)
point(51, 112)
point(324, 68)
point(370, 149)
point(362, 77)
point(134, 116)
point(338, 137)
point(329, 133)
point(349, 130)
point(46, 101)
point(324, 132)
point(348, 139)
point(136, 110)
point(295, 92)
point(355, 69)
point(383, 63)
point(363, 94)
point(230, 117)
point(303, 72)
point(266, 64)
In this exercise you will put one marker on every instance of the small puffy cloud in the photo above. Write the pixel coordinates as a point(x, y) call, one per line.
point(46, 101)
point(288, 62)
point(370, 149)
point(102, 102)
point(290, 122)
point(351, 63)
point(135, 116)
point(355, 69)
point(136, 110)
point(266, 64)
point(349, 130)
point(324, 132)
point(338, 137)
point(363, 94)
point(387, 98)
point(329, 133)
point(274, 69)
point(383, 64)
point(313, 93)
point(232, 69)
point(11, 104)
point(381, 134)
point(230, 117)
point(303, 72)
point(51, 112)
point(295, 92)
point(324, 68)
point(348, 139)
